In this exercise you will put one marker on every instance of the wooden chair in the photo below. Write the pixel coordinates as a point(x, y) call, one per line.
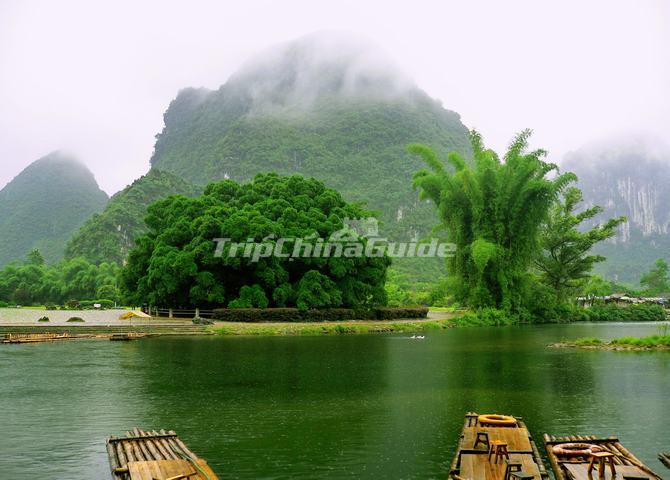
point(602, 458)
point(483, 438)
point(510, 468)
point(499, 450)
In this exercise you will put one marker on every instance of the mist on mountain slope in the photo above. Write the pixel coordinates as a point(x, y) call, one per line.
point(627, 175)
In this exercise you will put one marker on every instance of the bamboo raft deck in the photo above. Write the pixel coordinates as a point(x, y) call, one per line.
point(626, 464)
point(152, 455)
point(34, 337)
point(474, 464)
point(665, 458)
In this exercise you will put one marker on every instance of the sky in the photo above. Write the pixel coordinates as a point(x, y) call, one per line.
point(95, 77)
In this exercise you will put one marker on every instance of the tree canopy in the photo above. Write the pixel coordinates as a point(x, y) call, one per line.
point(656, 280)
point(34, 283)
point(565, 261)
point(175, 263)
point(493, 210)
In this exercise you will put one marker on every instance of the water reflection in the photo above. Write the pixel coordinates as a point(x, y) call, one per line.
point(332, 407)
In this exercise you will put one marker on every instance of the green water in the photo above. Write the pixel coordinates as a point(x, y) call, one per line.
point(322, 407)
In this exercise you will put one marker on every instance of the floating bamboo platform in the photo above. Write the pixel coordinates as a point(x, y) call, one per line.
point(52, 337)
point(665, 458)
point(574, 467)
point(152, 455)
point(34, 337)
point(472, 463)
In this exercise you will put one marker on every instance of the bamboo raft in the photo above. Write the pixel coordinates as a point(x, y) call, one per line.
point(665, 458)
point(152, 455)
point(626, 464)
point(34, 337)
point(473, 464)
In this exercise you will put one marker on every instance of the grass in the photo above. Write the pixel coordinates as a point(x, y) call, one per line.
point(330, 328)
point(651, 342)
point(585, 341)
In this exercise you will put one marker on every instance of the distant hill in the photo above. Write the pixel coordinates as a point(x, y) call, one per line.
point(630, 178)
point(44, 205)
point(107, 236)
point(324, 106)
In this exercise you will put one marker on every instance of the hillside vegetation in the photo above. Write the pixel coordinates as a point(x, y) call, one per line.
point(109, 235)
point(44, 205)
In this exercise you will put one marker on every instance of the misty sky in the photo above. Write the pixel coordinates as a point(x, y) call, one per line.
point(94, 78)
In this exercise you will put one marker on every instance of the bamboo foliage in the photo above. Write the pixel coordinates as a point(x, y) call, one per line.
point(492, 210)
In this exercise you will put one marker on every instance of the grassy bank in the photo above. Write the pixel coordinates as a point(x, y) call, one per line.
point(652, 342)
point(443, 321)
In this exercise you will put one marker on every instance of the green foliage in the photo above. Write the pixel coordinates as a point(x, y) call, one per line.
point(353, 140)
point(44, 205)
point(75, 319)
point(35, 258)
point(585, 341)
point(316, 290)
point(488, 317)
point(493, 211)
point(283, 315)
point(656, 281)
point(39, 284)
point(632, 313)
point(598, 286)
point(108, 236)
point(43, 319)
point(175, 263)
point(250, 297)
point(565, 262)
point(402, 289)
point(650, 341)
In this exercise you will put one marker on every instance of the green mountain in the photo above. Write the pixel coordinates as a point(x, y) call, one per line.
point(322, 106)
point(107, 236)
point(44, 205)
point(628, 177)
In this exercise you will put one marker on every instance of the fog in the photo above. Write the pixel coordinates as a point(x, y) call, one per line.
point(94, 78)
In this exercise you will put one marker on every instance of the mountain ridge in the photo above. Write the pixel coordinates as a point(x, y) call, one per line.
point(44, 205)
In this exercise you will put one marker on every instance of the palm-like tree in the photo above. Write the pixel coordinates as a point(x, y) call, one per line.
point(492, 210)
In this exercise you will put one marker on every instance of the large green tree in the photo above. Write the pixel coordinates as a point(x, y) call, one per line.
point(565, 261)
point(176, 265)
point(493, 210)
point(656, 280)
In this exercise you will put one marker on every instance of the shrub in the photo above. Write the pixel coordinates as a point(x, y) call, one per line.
point(250, 297)
point(489, 317)
point(633, 313)
point(89, 304)
point(75, 319)
point(72, 304)
point(257, 315)
point(43, 319)
point(588, 341)
point(3, 304)
point(50, 306)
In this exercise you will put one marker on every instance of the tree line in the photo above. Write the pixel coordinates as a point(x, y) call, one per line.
point(523, 245)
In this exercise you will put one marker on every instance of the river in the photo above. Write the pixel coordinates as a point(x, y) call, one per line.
point(348, 406)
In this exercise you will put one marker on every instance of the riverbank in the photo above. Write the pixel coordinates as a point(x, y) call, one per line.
point(652, 342)
point(108, 322)
point(437, 320)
